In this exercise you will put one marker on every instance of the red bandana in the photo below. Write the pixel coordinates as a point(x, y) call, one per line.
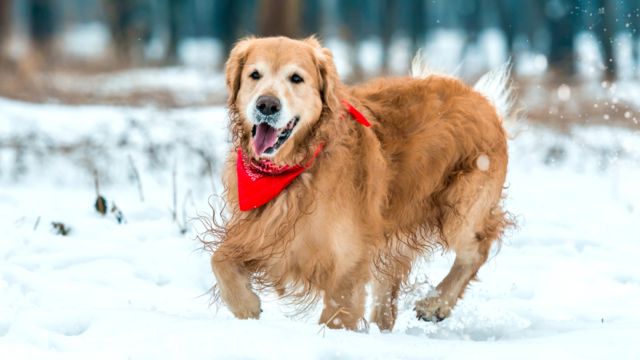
point(260, 181)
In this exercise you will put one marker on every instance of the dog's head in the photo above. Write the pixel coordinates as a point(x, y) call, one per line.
point(279, 89)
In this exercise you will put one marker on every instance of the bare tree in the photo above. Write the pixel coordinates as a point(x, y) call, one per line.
point(228, 21)
point(311, 20)
point(279, 17)
point(602, 21)
point(560, 21)
point(5, 26)
point(176, 8)
point(42, 27)
point(130, 27)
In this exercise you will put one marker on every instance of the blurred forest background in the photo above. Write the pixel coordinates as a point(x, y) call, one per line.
point(47, 44)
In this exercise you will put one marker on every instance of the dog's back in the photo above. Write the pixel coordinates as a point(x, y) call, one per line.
point(432, 131)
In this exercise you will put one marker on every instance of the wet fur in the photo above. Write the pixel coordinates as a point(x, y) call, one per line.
point(374, 200)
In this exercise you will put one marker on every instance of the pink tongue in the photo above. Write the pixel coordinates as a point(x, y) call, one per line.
point(265, 137)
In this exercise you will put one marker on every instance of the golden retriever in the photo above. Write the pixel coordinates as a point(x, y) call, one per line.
point(368, 200)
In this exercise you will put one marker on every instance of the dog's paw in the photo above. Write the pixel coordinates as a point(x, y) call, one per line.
point(384, 317)
point(247, 308)
point(433, 309)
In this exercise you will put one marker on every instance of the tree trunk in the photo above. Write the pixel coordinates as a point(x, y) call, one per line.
point(311, 17)
point(386, 35)
point(560, 21)
point(175, 23)
point(279, 18)
point(5, 25)
point(41, 26)
point(607, 38)
point(130, 27)
point(226, 22)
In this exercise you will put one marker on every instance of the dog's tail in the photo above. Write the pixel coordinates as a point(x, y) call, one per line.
point(494, 85)
point(421, 70)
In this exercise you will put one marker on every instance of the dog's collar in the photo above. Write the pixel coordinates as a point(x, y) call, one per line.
point(260, 181)
point(357, 115)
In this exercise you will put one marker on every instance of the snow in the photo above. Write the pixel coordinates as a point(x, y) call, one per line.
point(201, 52)
point(186, 84)
point(590, 62)
point(74, 40)
point(370, 55)
point(564, 284)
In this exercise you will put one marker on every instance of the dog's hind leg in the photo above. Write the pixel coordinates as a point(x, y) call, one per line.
point(235, 287)
point(470, 233)
point(385, 302)
point(452, 287)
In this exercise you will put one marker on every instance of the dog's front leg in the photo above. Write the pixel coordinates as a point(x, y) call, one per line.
point(344, 302)
point(343, 309)
point(235, 287)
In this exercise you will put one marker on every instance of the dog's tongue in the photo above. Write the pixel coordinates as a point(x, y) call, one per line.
point(265, 137)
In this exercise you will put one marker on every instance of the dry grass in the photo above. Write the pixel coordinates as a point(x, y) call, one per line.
point(33, 80)
point(546, 101)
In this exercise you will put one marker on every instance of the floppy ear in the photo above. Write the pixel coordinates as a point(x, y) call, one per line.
point(329, 80)
point(233, 68)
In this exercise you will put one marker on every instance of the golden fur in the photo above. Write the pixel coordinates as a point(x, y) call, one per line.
point(428, 172)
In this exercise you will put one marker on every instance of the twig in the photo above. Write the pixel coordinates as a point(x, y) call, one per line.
point(96, 182)
point(323, 328)
point(35, 226)
point(101, 202)
point(60, 228)
point(118, 214)
point(210, 168)
point(174, 213)
point(183, 226)
point(136, 174)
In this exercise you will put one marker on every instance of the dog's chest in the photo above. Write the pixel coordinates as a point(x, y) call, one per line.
point(327, 248)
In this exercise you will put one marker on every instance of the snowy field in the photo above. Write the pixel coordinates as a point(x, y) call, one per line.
point(564, 285)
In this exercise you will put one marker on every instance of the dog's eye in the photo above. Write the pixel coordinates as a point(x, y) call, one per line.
point(255, 75)
point(296, 79)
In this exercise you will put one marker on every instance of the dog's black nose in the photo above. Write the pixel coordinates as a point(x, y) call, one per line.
point(268, 105)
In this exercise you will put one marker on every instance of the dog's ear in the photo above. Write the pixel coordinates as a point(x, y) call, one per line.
point(234, 66)
point(328, 75)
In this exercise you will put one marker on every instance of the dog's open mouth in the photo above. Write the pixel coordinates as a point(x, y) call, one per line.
point(267, 139)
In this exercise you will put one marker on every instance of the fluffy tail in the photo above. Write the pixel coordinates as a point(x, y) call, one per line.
point(421, 70)
point(495, 85)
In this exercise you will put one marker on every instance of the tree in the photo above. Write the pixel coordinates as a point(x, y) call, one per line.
point(604, 28)
point(176, 14)
point(5, 24)
point(311, 10)
point(560, 22)
point(279, 18)
point(130, 26)
point(228, 22)
point(41, 26)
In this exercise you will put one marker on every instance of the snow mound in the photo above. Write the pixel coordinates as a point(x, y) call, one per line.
point(562, 286)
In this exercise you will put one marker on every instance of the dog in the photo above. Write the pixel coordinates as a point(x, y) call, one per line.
point(330, 187)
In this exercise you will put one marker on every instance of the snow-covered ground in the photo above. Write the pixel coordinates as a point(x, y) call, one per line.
point(564, 285)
